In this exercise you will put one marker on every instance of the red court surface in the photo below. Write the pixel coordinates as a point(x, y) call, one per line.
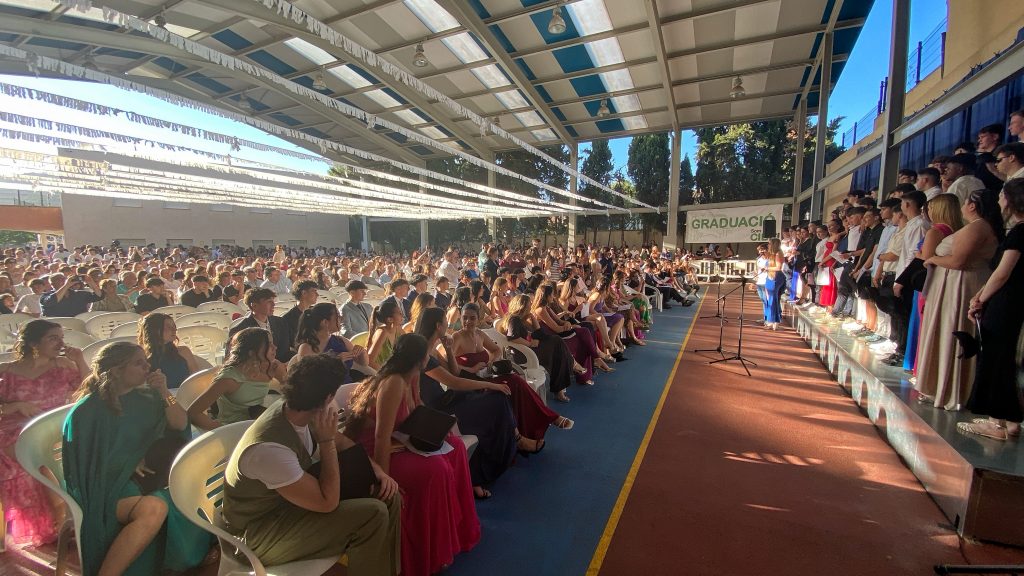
point(778, 473)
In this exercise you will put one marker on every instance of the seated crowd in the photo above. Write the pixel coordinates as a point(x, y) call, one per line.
point(421, 342)
point(929, 276)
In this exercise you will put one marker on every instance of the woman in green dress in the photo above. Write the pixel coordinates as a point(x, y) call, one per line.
point(385, 327)
point(119, 441)
point(242, 384)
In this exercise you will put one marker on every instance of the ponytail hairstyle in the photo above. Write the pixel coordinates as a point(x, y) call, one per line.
point(102, 381)
point(379, 316)
point(310, 321)
point(426, 324)
point(408, 355)
point(463, 295)
point(151, 338)
point(32, 332)
point(986, 204)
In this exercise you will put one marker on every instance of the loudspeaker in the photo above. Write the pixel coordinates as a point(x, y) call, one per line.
point(768, 228)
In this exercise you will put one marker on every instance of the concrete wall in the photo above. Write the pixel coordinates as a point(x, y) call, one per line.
point(98, 220)
point(976, 31)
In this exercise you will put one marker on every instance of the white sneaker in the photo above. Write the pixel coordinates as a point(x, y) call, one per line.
point(883, 347)
point(852, 326)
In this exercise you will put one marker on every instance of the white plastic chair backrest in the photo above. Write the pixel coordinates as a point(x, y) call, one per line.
point(326, 296)
point(343, 394)
point(226, 308)
point(280, 309)
point(285, 298)
point(359, 339)
point(203, 363)
point(194, 386)
point(40, 445)
point(205, 341)
point(69, 322)
point(90, 351)
point(102, 325)
point(498, 337)
point(128, 329)
point(77, 339)
point(11, 323)
point(6, 357)
point(532, 363)
point(176, 310)
point(85, 316)
point(215, 319)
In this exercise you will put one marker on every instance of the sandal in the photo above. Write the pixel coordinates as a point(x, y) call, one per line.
point(561, 397)
point(995, 432)
point(537, 446)
point(1012, 428)
point(563, 423)
point(604, 367)
point(481, 493)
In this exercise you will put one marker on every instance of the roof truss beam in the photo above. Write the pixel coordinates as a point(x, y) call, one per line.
point(658, 40)
point(816, 29)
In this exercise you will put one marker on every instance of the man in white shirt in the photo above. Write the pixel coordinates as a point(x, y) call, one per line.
point(928, 181)
point(959, 170)
point(29, 303)
point(1010, 160)
point(449, 267)
point(276, 281)
point(284, 507)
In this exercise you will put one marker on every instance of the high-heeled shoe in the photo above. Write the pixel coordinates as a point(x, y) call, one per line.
point(537, 447)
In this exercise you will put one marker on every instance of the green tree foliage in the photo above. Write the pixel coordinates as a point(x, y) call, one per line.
point(687, 183)
point(648, 167)
point(753, 160)
point(597, 164)
point(16, 238)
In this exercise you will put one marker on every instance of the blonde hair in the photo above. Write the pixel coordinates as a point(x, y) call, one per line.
point(101, 381)
point(945, 209)
point(519, 304)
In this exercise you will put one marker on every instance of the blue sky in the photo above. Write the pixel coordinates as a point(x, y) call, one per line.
point(854, 95)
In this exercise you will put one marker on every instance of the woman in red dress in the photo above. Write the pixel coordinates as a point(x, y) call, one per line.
point(827, 280)
point(475, 351)
point(438, 514)
point(40, 379)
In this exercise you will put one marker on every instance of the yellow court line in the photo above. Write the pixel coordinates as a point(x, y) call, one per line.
point(627, 486)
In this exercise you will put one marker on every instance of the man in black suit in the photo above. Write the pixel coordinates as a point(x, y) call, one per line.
point(261, 315)
point(305, 293)
point(419, 286)
point(399, 288)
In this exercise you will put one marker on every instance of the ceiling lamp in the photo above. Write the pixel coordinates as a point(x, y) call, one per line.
point(318, 82)
point(602, 110)
point(737, 88)
point(160, 20)
point(557, 23)
point(419, 59)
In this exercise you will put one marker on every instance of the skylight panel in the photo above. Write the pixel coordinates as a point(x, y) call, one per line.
point(315, 54)
point(528, 119)
point(465, 48)
point(511, 99)
point(381, 97)
point(433, 132)
point(491, 76)
point(628, 103)
point(545, 134)
point(411, 118)
point(349, 76)
point(605, 52)
point(434, 17)
point(634, 122)
point(590, 17)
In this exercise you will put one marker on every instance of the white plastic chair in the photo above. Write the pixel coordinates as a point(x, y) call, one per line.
point(6, 357)
point(196, 484)
point(326, 296)
point(9, 326)
point(77, 339)
point(215, 319)
point(342, 395)
point(176, 310)
point(205, 341)
point(39, 446)
point(85, 316)
point(129, 329)
point(102, 325)
point(534, 374)
point(226, 309)
point(90, 351)
point(194, 386)
point(360, 339)
point(280, 308)
point(69, 323)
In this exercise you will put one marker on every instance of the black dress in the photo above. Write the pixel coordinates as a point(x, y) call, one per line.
point(995, 379)
point(551, 351)
point(482, 413)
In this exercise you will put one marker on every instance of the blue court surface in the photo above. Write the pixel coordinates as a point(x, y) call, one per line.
point(549, 511)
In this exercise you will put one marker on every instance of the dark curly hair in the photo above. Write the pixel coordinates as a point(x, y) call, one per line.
point(31, 333)
point(311, 380)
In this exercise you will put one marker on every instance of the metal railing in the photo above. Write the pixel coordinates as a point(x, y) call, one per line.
point(9, 197)
point(926, 57)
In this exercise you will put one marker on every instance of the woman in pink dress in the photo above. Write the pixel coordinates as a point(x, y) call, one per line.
point(438, 514)
point(39, 379)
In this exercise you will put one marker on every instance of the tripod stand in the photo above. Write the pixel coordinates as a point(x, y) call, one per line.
point(739, 343)
point(720, 311)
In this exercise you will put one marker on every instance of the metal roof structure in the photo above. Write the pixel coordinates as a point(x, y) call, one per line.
point(619, 67)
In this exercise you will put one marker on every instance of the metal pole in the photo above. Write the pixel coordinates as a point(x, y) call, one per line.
point(895, 95)
point(492, 222)
point(670, 241)
point(366, 234)
point(917, 71)
point(424, 234)
point(818, 197)
point(800, 125)
point(574, 186)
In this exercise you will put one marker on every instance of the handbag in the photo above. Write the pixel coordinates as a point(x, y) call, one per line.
point(501, 367)
point(158, 458)
point(358, 479)
point(427, 428)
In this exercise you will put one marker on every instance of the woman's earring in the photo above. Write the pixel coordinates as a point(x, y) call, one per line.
point(35, 353)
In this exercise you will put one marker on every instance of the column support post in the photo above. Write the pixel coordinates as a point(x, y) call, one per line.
point(818, 196)
point(895, 95)
point(670, 241)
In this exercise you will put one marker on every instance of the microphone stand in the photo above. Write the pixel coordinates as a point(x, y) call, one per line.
point(738, 355)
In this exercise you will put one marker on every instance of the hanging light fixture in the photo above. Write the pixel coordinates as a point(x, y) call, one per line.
point(160, 20)
point(557, 24)
point(235, 146)
point(318, 82)
point(737, 88)
point(602, 110)
point(419, 59)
